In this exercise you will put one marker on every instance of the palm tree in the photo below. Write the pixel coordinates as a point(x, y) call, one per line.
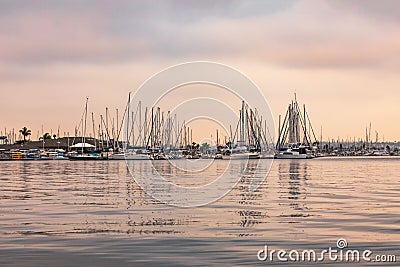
point(193, 145)
point(25, 132)
point(45, 136)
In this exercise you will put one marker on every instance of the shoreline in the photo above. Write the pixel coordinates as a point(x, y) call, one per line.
point(262, 158)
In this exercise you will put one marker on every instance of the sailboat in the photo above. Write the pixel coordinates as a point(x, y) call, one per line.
point(249, 131)
point(83, 146)
point(296, 139)
point(129, 151)
point(138, 154)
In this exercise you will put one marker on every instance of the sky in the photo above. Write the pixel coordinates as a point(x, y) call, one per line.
point(341, 57)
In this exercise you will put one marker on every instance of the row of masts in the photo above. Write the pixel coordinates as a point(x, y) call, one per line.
point(162, 130)
point(106, 133)
point(251, 130)
point(155, 129)
point(296, 128)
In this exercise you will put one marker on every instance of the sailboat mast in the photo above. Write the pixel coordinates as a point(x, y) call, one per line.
point(94, 132)
point(140, 121)
point(242, 123)
point(152, 128)
point(321, 136)
point(117, 134)
point(145, 127)
point(305, 125)
point(279, 133)
point(127, 122)
point(217, 139)
point(84, 126)
point(133, 128)
point(108, 135)
point(230, 138)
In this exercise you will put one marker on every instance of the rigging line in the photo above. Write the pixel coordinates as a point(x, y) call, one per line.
point(312, 129)
point(123, 117)
point(282, 135)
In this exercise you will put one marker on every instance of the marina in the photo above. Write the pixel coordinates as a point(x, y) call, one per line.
point(152, 134)
point(175, 133)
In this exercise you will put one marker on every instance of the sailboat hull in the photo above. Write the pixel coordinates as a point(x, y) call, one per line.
point(245, 156)
point(130, 157)
point(293, 156)
point(86, 157)
point(281, 156)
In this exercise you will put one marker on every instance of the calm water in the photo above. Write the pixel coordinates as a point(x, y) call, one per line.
point(68, 213)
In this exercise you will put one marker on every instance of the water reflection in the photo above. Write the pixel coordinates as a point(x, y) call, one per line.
point(293, 176)
point(250, 208)
point(296, 201)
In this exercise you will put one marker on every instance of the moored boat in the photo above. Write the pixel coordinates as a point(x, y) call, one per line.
point(294, 153)
point(131, 155)
point(296, 138)
point(87, 157)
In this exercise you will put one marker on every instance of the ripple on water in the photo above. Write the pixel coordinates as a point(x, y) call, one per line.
point(310, 202)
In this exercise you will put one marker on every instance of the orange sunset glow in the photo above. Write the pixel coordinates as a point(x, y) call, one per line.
point(341, 57)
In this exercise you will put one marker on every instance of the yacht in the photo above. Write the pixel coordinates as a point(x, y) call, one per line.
point(293, 153)
point(244, 152)
point(131, 155)
point(296, 139)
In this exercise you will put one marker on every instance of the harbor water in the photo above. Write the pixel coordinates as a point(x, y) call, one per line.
point(92, 213)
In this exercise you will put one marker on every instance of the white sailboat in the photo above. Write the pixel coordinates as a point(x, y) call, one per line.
point(131, 155)
point(294, 153)
point(84, 146)
point(244, 152)
point(295, 141)
point(249, 132)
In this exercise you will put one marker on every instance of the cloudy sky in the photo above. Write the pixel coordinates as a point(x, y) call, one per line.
point(342, 58)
